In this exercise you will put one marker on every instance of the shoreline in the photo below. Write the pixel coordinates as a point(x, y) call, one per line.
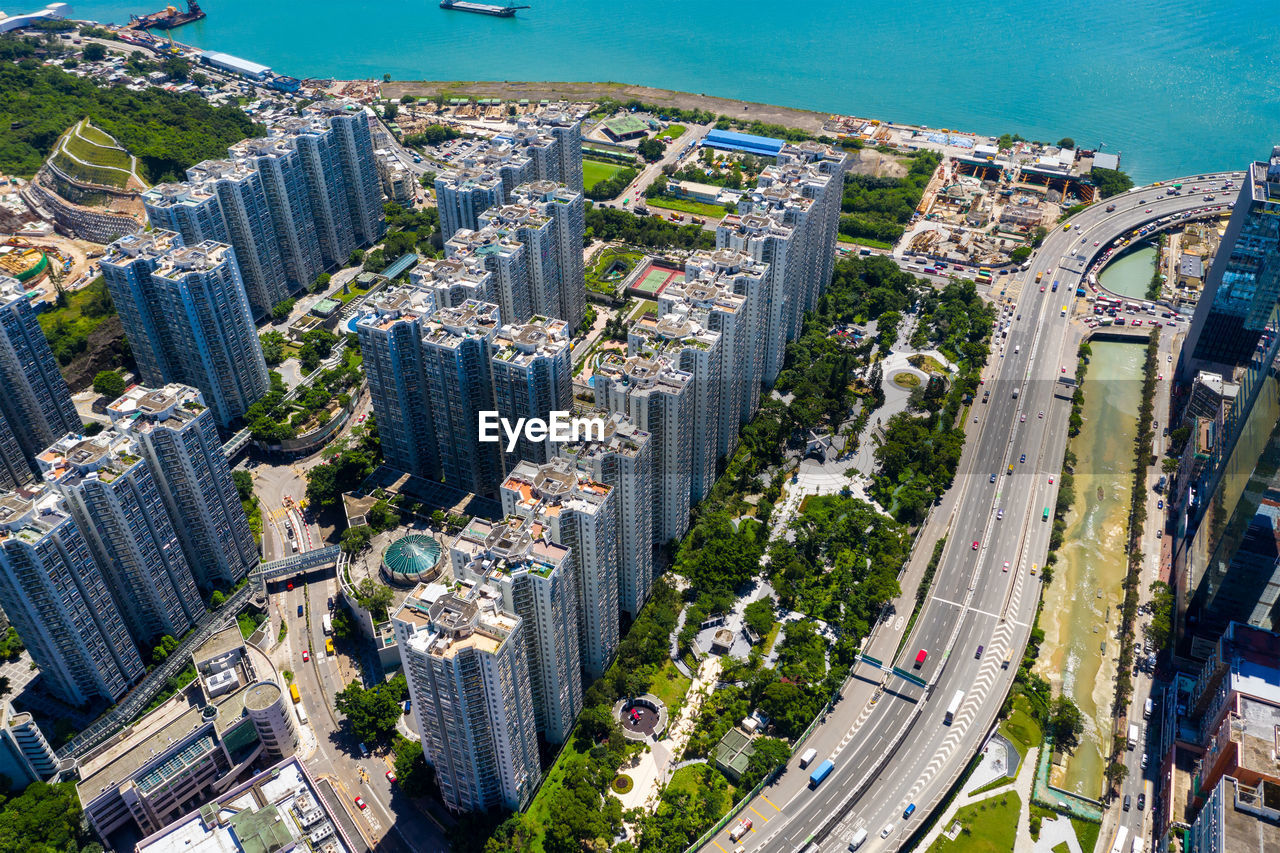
point(507, 90)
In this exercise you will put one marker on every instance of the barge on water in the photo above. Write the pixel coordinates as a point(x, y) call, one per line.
point(481, 8)
point(168, 18)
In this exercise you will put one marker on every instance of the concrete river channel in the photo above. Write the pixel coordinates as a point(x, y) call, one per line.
point(1082, 605)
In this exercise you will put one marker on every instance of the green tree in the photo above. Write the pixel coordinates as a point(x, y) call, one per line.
point(413, 774)
point(94, 52)
point(1160, 629)
point(1110, 182)
point(42, 819)
point(1066, 142)
point(344, 627)
point(282, 309)
point(108, 383)
point(651, 149)
point(272, 346)
point(759, 615)
point(244, 483)
point(374, 597)
point(372, 714)
point(356, 539)
point(1065, 724)
point(770, 754)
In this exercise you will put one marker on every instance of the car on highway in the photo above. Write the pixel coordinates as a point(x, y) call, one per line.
point(993, 478)
point(1006, 565)
point(360, 803)
point(888, 830)
point(391, 776)
point(999, 514)
point(1042, 288)
point(1042, 415)
point(1063, 369)
point(1022, 419)
point(1050, 479)
point(1142, 801)
point(920, 659)
point(1023, 458)
point(978, 653)
point(975, 544)
point(1127, 799)
point(1148, 210)
point(306, 655)
point(1160, 504)
point(299, 611)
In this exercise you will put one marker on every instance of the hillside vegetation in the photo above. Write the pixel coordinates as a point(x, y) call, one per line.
point(167, 132)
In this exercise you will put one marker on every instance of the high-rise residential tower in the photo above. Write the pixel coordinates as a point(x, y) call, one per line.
point(689, 346)
point(534, 578)
point(623, 460)
point(656, 397)
point(457, 344)
point(177, 438)
point(185, 312)
point(578, 513)
point(35, 403)
point(54, 594)
point(466, 663)
point(506, 258)
point(113, 497)
point(532, 377)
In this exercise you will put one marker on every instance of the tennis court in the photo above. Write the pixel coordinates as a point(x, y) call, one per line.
point(654, 280)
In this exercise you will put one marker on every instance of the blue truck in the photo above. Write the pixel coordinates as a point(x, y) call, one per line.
point(821, 772)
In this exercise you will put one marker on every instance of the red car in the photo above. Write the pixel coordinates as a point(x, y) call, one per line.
point(1051, 479)
point(975, 544)
point(1042, 288)
point(920, 657)
point(306, 655)
point(1006, 565)
point(391, 777)
point(360, 803)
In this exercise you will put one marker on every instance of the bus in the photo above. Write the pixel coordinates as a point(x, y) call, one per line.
point(954, 707)
point(293, 691)
point(1118, 845)
point(984, 272)
point(1045, 516)
point(328, 624)
point(822, 772)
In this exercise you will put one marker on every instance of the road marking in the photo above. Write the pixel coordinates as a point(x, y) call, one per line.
point(717, 843)
point(762, 817)
point(769, 801)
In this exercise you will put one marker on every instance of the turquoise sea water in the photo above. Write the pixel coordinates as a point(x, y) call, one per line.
point(1176, 86)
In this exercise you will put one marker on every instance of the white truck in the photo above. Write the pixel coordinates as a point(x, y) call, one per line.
point(1133, 735)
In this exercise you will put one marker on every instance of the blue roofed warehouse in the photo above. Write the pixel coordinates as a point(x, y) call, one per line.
point(728, 140)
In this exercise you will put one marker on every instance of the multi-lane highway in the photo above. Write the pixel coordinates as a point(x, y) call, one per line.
point(887, 737)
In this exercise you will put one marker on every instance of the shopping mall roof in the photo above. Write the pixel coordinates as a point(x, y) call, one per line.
point(414, 557)
point(728, 140)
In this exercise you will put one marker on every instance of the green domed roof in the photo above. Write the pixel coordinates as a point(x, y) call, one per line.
point(412, 556)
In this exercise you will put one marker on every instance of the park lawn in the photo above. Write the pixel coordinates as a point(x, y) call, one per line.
point(697, 208)
point(990, 826)
point(927, 363)
point(647, 306)
point(686, 779)
point(1086, 833)
point(906, 380)
point(1021, 727)
point(672, 131)
point(670, 686)
point(594, 171)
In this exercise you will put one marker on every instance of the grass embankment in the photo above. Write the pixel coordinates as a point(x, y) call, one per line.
point(672, 131)
point(670, 686)
point(989, 826)
point(91, 155)
point(684, 205)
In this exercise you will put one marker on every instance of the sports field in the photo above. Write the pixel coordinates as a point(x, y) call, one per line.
point(594, 171)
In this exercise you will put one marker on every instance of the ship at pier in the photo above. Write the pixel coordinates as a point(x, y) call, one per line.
point(481, 8)
point(167, 18)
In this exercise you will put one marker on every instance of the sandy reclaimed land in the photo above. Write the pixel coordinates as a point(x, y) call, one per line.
point(514, 91)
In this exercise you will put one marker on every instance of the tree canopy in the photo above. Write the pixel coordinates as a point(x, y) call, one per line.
point(1110, 181)
point(166, 131)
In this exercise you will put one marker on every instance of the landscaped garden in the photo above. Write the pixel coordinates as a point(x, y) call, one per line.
point(608, 269)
